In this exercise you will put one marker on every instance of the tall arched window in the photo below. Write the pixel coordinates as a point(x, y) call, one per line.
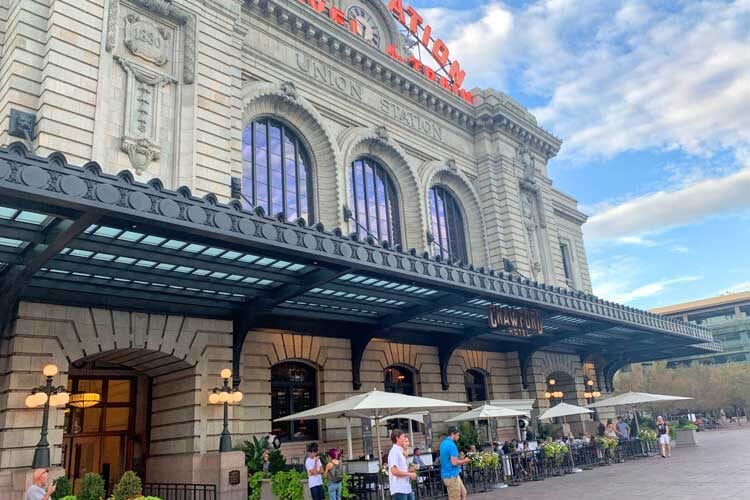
point(447, 225)
point(374, 201)
point(293, 389)
point(476, 386)
point(275, 170)
point(400, 381)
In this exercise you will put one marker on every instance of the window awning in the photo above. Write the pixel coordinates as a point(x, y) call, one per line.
point(76, 236)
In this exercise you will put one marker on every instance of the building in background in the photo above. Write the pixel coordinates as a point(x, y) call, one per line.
point(189, 185)
point(728, 318)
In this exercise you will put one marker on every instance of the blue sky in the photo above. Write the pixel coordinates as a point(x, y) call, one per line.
point(652, 101)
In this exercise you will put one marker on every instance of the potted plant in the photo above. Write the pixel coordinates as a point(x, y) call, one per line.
point(685, 434)
point(607, 447)
point(555, 453)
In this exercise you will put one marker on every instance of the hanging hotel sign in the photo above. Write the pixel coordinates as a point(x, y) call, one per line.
point(449, 76)
point(516, 322)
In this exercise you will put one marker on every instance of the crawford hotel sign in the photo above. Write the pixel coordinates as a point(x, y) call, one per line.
point(448, 75)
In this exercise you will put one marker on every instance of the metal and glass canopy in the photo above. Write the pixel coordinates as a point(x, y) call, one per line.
point(76, 236)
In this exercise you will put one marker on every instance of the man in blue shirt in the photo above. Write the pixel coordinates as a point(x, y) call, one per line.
point(450, 465)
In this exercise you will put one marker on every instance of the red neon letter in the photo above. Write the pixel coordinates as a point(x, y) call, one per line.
point(426, 35)
point(456, 74)
point(429, 73)
point(415, 20)
point(397, 10)
point(445, 83)
point(317, 5)
point(354, 26)
point(466, 96)
point(440, 52)
point(337, 16)
point(391, 51)
point(415, 63)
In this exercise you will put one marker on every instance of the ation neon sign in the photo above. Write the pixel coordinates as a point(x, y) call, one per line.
point(449, 75)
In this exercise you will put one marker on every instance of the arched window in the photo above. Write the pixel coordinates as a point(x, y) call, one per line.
point(275, 170)
point(447, 225)
point(293, 389)
point(374, 201)
point(401, 381)
point(476, 386)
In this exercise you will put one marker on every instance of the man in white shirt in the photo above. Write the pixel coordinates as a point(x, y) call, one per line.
point(399, 476)
point(314, 472)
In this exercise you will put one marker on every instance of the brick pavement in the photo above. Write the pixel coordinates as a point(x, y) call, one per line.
point(718, 468)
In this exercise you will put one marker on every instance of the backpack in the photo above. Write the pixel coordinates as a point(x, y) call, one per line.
point(336, 474)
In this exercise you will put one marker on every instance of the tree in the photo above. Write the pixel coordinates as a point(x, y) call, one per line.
point(713, 387)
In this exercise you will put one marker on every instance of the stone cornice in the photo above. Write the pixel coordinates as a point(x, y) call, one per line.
point(340, 44)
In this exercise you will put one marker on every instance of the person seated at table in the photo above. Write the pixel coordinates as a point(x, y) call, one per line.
point(497, 448)
point(417, 458)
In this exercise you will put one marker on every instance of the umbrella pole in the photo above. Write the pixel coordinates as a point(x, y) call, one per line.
point(349, 437)
point(380, 456)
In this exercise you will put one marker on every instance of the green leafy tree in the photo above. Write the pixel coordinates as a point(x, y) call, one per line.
point(92, 487)
point(254, 453)
point(63, 488)
point(128, 488)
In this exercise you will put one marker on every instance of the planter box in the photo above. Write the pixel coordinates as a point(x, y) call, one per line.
point(685, 438)
point(266, 492)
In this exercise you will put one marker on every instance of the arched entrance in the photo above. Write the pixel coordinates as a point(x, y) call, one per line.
point(108, 422)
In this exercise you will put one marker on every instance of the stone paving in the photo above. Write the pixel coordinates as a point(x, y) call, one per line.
point(718, 468)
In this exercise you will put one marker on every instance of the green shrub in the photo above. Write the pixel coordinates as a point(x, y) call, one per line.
point(468, 437)
point(254, 485)
point(277, 462)
point(646, 422)
point(346, 483)
point(69, 497)
point(129, 487)
point(63, 488)
point(254, 453)
point(288, 485)
point(92, 487)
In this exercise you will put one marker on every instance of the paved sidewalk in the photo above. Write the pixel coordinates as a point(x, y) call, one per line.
point(718, 468)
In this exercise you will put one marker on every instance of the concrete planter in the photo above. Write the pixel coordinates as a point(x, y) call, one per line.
point(266, 492)
point(685, 438)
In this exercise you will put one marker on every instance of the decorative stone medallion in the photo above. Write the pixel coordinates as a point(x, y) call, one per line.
point(146, 40)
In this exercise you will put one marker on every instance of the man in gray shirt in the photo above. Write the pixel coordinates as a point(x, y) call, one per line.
point(39, 490)
point(623, 429)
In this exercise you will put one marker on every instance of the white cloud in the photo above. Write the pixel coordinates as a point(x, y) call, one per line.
point(620, 75)
point(614, 278)
point(737, 288)
point(665, 209)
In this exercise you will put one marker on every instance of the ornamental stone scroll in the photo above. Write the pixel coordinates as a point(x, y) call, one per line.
point(144, 89)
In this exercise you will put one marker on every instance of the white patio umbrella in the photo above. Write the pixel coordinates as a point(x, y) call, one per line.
point(635, 399)
point(486, 412)
point(565, 410)
point(411, 417)
point(376, 405)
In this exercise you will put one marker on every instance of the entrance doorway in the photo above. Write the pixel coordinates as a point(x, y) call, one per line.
point(109, 437)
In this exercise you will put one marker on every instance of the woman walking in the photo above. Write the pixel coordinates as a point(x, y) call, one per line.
point(662, 428)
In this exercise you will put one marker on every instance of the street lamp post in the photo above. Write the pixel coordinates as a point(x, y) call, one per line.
point(45, 395)
point(225, 395)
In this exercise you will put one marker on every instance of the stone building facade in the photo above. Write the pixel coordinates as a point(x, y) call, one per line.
point(164, 90)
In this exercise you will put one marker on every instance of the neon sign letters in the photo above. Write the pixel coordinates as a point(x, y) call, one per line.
point(449, 76)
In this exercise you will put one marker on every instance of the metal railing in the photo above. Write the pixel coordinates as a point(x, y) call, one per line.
point(179, 491)
point(514, 469)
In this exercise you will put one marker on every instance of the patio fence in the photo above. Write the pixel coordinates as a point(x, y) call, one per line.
point(514, 470)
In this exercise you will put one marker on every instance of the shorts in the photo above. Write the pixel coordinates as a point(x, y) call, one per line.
point(455, 487)
point(664, 439)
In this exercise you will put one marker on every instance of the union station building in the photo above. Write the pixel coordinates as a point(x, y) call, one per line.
point(273, 186)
